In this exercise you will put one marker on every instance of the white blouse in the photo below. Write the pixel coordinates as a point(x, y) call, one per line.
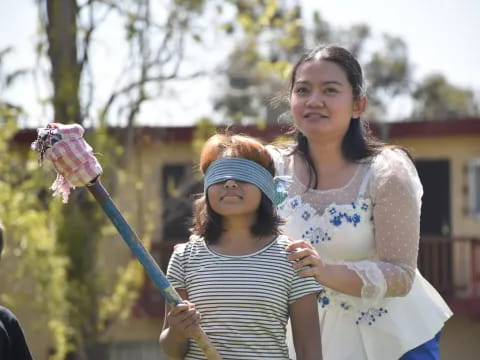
point(371, 225)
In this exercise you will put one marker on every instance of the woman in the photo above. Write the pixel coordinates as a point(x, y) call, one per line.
point(354, 204)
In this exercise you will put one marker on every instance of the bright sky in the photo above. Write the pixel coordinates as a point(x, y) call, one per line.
point(441, 35)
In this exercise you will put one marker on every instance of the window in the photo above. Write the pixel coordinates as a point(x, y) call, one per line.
point(474, 187)
point(178, 186)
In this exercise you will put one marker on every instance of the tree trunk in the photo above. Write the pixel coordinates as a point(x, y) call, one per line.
point(80, 246)
point(62, 51)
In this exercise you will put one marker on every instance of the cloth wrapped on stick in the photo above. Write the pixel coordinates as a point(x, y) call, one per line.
point(70, 154)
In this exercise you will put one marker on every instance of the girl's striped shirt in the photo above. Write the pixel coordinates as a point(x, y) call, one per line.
point(243, 299)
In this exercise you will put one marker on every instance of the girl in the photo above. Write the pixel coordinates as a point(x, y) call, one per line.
point(234, 271)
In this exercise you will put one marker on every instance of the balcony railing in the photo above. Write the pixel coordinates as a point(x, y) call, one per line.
point(450, 264)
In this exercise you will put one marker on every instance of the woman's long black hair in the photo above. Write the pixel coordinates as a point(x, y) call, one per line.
point(358, 143)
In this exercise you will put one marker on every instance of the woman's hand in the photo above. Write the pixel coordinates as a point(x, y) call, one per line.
point(184, 320)
point(307, 259)
point(337, 277)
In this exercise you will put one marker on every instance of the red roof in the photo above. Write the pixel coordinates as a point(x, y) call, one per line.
point(466, 126)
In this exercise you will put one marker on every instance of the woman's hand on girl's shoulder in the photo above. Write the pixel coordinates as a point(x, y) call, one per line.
point(306, 259)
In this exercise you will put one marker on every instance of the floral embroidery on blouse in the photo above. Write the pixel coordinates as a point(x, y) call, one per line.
point(338, 216)
point(294, 203)
point(306, 215)
point(371, 315)
point(362, 316)
point(310, 225)
point(318, 235)
point(315, 235)
point(323, 299)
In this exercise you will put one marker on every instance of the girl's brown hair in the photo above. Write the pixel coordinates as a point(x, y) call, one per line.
point(206, 222)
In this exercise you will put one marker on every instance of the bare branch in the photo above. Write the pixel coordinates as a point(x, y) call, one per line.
point(133, 85)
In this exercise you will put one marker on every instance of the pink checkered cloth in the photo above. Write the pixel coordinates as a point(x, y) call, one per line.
point(70, 154)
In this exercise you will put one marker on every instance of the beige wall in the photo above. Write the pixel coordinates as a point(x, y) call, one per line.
point(139, 201)
point(459, 150)
point(460, 337)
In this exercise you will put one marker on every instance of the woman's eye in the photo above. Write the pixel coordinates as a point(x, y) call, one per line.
point(331, 91)
point(301, 90)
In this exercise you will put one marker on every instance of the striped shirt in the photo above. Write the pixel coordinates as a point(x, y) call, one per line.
point(243, 299)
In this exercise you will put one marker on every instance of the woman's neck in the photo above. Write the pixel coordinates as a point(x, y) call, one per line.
point(326, 155)
point(332, 168)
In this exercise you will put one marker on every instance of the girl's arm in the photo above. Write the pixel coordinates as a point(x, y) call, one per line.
point(305, 328)
point(180, 324)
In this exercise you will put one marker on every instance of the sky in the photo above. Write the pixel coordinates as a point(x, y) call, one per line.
point(441, 35)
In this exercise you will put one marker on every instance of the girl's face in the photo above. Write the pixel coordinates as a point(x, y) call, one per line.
point(234, 198)
point(322, 102)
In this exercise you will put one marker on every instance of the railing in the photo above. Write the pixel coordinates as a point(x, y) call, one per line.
point(450, 264)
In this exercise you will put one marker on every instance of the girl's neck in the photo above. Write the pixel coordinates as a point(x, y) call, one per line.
point(237, 239)
point(236, 245)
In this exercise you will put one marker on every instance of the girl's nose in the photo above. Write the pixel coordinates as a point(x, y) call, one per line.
point(230, 184)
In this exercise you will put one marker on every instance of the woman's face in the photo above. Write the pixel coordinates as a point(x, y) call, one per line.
point(322, 102)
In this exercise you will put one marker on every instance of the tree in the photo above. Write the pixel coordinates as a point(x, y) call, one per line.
point(258, 68)
point(388, 75)
point(60, 22)
point(436, 99)
point(267, 32)
point(31, 264)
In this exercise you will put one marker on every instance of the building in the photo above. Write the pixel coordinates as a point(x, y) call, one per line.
point(447, 156)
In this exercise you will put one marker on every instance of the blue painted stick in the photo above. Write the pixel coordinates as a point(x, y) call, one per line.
point(151, 267)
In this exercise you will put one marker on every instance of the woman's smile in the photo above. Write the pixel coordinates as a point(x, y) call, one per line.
point(315, 115)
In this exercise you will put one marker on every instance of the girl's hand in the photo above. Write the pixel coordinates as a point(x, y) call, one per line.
point(307, 259)
point(184, 320)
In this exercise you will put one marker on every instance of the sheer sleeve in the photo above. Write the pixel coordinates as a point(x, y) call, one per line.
point(396, 194)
